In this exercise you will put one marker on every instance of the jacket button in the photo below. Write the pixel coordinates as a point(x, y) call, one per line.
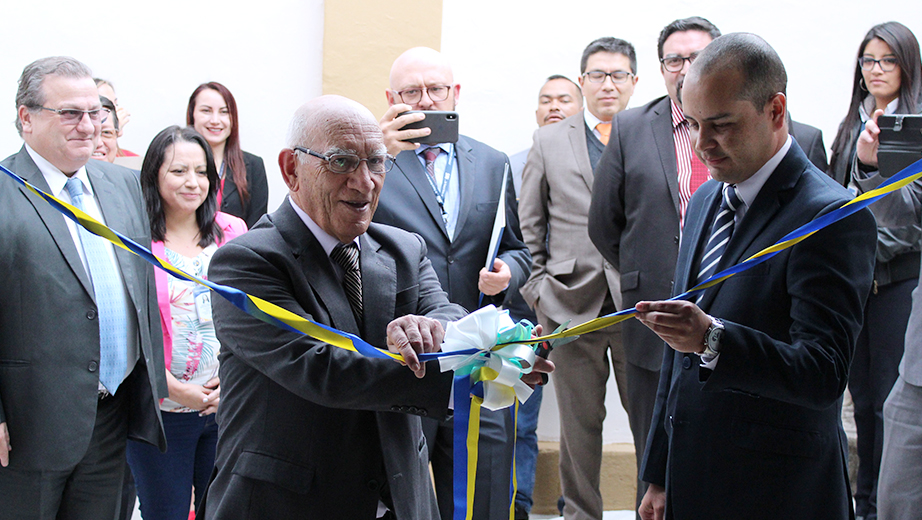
point(395, 408)
point(92, 366)
point(686, 362)
point(91, 314)
point(423, 412)
point(675, 239)
point(372, 485)
point(451, 259)
point(413, 410)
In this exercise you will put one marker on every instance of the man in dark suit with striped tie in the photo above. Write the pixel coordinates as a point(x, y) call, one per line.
point(747, 418)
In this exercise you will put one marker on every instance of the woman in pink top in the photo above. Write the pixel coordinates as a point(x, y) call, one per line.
point(179, 181)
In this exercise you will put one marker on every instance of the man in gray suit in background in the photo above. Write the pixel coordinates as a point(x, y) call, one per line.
point(570, 279)
point(81, 363)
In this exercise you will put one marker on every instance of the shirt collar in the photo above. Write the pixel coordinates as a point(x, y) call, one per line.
point(870, 104)
point(55, 177)
point(748, 189)
point(446, 147)
point(327, 241)
point(591, 120)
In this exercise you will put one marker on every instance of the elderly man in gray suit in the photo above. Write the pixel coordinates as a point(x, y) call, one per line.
point(570, 279)
point(81, 362)
point(899, 488)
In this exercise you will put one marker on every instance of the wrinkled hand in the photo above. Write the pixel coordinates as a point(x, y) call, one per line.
point(653, 505)
point(680, 323)
point(5, 446)
point(411, 335)
point(869, 140)
point(214, 398)
point(494, 282)
point(394, 137)
point(123, 117)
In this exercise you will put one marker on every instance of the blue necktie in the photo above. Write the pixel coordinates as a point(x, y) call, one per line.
point(720, 234)
point(110, 300)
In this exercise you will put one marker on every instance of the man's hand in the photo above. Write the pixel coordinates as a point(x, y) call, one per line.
point(680, 323)
point(394, 137)
point(411, 335)
point(653, 505)
point(494, 282)
point(214, 398)
point(869, 140)
point(5, 446)
point(542, 365)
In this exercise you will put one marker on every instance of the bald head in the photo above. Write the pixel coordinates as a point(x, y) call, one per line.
point(318, 117)
point(417, 70)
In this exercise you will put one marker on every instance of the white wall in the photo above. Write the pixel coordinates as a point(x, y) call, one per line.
point(503, 51)
point(269, 54)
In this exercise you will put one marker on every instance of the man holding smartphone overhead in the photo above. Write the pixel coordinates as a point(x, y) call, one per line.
point(449, 193)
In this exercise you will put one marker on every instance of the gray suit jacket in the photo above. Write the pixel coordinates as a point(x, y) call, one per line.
point(408, 202)
point(307, 430)
point(569, 278)
point(634, 216)
point(49, 336)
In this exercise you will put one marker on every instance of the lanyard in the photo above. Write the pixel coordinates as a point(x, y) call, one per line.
point(441, 193)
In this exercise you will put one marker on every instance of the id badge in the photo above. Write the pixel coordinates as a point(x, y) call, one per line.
point(202, 297)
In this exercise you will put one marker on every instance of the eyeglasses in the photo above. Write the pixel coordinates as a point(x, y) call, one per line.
point(348, 163)
point(676, 63)
point(598, 76)
point(886, 64)
point(72, 116)
point(413, 95)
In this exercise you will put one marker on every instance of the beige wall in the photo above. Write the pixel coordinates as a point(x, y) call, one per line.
point(357, 61)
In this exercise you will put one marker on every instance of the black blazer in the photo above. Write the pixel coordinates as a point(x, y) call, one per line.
point(258, 188)
point(49, 336)
point(765, 423)
point(307, 430)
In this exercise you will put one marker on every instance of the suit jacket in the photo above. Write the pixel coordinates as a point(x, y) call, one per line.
point(408, 202)
point(307, 430)
point(903, 208)
point(49, 336)
point(765, 423)
point(810, 140)
point(569, 278)
point(634, 216)
point(258, 187)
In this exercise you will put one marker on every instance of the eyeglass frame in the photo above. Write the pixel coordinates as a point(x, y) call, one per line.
point(880, 63)
point(690, 58)
point(426, 90)
point(627, 76)
point(103, 114)
point(389, 160)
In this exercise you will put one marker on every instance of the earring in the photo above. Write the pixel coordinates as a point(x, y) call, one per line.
point(862, 85)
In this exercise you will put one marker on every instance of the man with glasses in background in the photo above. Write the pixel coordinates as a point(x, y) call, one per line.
point(569, 278)
point(81, 362)
point(449, 194)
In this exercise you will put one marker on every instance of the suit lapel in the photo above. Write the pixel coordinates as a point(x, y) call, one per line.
point(112, 206)
point(665, 145)
point(467, 174)
point(316, 266)
point(408, 163)
point(379, 271)
point(54, 221)
point(697, 229)
point(230, 187)
point(577, 133)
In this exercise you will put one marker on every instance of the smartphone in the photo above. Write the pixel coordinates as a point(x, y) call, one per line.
point(444, 126)
point(900, 142)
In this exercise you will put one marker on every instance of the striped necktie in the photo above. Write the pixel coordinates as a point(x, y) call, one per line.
point(110, 300)
point(720, 234)
point(347, 256)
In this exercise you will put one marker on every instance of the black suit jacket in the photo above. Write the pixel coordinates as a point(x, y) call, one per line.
point(257, 186)
point(308, 430)
point(408, 202)
point(49, 336)
point(761, 434)
point(810, 140)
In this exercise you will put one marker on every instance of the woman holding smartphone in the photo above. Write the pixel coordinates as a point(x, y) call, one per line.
point(242, 187)
point(887, 80)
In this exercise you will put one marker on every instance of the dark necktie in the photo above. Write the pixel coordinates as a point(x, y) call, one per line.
point(347, 256)
point(720, 233)
point(110, 299)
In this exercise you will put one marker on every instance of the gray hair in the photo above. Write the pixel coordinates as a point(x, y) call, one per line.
point(30, 93)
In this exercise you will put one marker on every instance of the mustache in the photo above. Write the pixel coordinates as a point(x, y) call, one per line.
point(678, 89)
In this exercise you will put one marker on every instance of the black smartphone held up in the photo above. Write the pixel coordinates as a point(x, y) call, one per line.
point(900, 142)
point(444, 126)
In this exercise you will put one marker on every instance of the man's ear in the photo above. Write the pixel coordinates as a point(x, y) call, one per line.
point(778, 105)
point(25, 119)
point(288, 163)
point(391, 97)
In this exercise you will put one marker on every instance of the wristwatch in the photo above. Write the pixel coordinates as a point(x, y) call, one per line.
point(712, 337)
